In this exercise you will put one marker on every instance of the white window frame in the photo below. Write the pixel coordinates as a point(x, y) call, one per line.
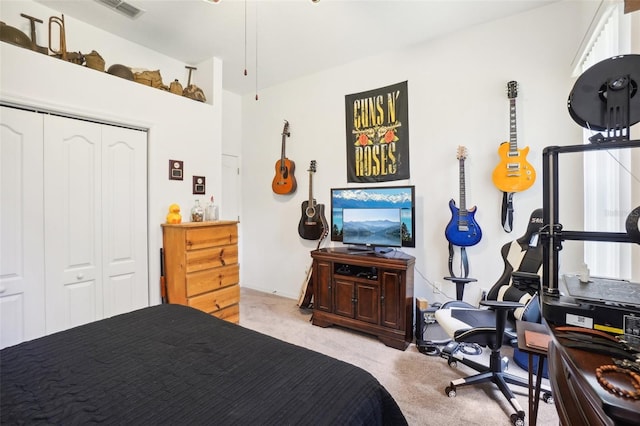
point(607, 178)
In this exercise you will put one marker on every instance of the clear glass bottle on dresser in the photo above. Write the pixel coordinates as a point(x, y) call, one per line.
point(197, 212)
point(211, 212)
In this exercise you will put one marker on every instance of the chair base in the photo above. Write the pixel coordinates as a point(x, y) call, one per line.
point(501, 380)
point(495, 373)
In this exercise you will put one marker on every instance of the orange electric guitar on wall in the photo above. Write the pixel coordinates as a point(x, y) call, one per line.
point(514, 173)
point(284, 182)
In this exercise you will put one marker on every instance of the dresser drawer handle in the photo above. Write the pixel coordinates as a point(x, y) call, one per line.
point(222, 257)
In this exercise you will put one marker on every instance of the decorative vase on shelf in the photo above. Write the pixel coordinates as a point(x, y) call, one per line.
point(197, 213)
point(211, 212)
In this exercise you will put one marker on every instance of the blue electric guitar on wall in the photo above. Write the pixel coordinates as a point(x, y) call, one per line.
point(462, 230)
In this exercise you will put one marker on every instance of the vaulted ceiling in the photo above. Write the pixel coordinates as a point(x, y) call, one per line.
point(280, 40)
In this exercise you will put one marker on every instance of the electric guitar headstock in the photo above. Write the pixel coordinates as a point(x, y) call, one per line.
point(312, 166)
point(512, 89)
point(461, 153)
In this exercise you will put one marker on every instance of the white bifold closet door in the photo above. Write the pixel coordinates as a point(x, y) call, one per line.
point(95, 197)
point(22, 309)
point(73, 221)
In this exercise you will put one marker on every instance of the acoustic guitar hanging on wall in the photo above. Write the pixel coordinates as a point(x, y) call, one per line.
point(284, 182)
point(312, 221)
point(514, 173)
point(313, 225)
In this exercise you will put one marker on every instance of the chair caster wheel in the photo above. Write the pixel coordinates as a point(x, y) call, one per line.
point(517, 420)
point(452, 363)
point(450, 391)
point(548, 398)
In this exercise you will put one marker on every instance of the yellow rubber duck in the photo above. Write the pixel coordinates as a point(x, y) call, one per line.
point(174, 215)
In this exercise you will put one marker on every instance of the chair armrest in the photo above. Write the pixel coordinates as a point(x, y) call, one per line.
point(501, 304)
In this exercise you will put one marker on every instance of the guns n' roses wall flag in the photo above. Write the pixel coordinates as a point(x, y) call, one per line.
point(378, 134)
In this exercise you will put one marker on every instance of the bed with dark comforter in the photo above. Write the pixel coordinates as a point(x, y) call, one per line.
point(170, 364)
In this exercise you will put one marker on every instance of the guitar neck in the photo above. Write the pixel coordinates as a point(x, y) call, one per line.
point(285, 133)
point(463, 203)
point(282, 151)
point(310, 188)
point(513, 134)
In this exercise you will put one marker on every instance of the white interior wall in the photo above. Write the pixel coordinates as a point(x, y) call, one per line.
point(457, 96)
point(178, 128)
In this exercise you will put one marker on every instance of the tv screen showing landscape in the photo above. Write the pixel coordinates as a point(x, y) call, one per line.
point(372, 227)
point(400, 198)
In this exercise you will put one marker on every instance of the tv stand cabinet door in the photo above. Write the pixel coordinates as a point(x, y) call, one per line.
point(322, 276)
point(367, 303)
point(344, 298)
point(392, 299)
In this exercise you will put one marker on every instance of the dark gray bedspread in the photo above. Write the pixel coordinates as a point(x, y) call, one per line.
point(171, 364)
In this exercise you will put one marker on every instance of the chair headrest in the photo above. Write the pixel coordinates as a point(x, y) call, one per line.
point(535, 223)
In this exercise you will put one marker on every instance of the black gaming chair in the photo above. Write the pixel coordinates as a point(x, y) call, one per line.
point(514, 296)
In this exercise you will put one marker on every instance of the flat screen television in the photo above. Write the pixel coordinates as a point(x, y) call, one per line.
point(374, 216)
point(372, 227)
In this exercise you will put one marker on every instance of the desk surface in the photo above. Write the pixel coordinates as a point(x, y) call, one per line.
point(572, 372)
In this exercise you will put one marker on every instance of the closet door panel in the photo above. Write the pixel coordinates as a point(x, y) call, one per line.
point(72, 184)
point(124, 201)
point(21, 227)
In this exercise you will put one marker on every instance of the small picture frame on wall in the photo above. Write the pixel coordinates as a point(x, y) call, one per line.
point(176, 170)
point(199, 185)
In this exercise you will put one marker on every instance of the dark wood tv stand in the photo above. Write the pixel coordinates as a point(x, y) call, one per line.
point(368, 292)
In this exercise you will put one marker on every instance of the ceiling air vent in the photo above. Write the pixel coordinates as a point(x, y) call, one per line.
point(125, 8)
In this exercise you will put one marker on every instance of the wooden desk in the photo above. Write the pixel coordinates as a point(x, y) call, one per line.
point(534, 391)
point(580, 399)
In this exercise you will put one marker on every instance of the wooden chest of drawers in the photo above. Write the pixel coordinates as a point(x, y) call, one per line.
point(201, 267)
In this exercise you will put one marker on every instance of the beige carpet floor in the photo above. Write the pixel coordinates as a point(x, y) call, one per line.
point(415, 380)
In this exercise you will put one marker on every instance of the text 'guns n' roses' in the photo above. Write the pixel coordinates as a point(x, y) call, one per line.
point(375, 126)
